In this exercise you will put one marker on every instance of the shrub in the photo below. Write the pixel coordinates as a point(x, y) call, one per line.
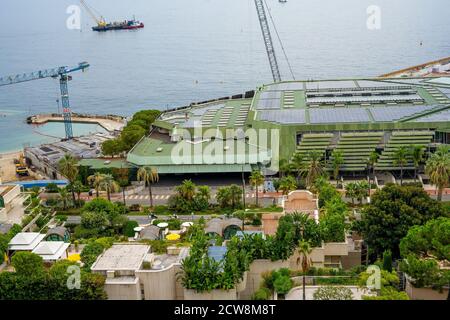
point(160, 209)
point(51, 202)
point(27, 263)
point(282, 284)
point(26, 219)
point(262, 294)
point(135, 207)
point(52, 188)
point(174, 224)
point(106, 242)
point(94, 220)
point(159, 246)
point(333, 293)
point(128, 229)
point(81, 233)
point(90, 253)
point(61, 218)
point(387, 260)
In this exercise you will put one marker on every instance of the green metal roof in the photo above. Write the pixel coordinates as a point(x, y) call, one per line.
point(100, 163)
point(207, 168)
point(154, 152)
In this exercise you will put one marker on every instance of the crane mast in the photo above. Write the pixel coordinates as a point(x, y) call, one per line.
point(64, 78)
point(268, 40)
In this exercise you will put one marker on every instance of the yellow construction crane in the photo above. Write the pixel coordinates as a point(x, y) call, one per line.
point(100, 21)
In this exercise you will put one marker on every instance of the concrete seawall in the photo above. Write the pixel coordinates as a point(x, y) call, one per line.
point(108, 122)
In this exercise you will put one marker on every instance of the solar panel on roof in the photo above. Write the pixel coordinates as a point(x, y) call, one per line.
point(285, 86)
point(284, 116)
point(270, 95)
point(320, 85)
point(379, 84)
point(395, 113)
point(341, 115)
point(380, 98)
point(268, 104)
point(436, 117)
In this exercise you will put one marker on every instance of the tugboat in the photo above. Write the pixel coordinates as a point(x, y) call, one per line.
point(102, 25)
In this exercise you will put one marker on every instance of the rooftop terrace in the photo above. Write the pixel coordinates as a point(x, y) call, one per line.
point(121, 257)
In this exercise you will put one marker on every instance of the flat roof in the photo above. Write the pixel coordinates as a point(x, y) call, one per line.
point(154, 152)
point(103, 163)
point(51, 250)
point(25, 241)
point(121, 257)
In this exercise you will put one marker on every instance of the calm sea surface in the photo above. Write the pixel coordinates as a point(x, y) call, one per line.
point(191, 50)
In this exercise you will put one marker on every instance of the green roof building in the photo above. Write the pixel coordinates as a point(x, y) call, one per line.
point(355, 116)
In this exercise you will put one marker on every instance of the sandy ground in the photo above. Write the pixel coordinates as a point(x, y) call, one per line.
point(7, 166)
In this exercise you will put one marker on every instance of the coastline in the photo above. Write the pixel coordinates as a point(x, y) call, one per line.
point(10, 154)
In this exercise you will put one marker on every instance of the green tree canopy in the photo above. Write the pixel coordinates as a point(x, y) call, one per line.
point(27, 263)
point(429, 240)
point(392, 211)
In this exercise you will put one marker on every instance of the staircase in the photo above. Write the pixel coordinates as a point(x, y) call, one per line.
point(397, 140)
point(317, 142)
point(356, 148)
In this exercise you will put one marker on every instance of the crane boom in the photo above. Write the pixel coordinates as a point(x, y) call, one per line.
point(100, 21)
point(41, 74)
point(268, 40)
point(62, 73)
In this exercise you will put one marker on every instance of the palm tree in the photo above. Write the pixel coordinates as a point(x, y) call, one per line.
point(313, 167)
point(401, 159)
point(235, 195)
point(287, 184)
point(284, 167)
point(373, 158)
point(297, 163)
point(223, 197)
point(204, 192)
point(122, 175)
point(109, 185)
point(187, 190)
point(67, 166)
point(438, 169)
point(149, 175)
point(95, 181)
point(337, 162)
point(304, 250)
point(351, 191)
point(77, 187)
point(417, 153)
point(361, 190)
point(64, 196)
point(256, 179)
